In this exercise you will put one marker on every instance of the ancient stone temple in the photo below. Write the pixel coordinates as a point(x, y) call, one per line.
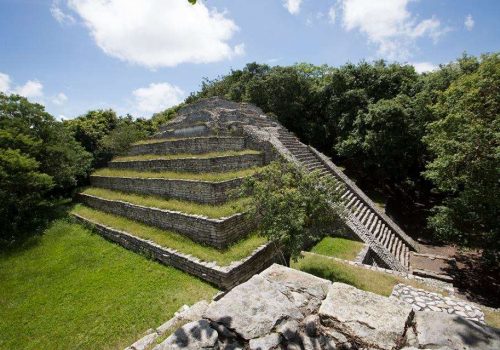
point(223, 137)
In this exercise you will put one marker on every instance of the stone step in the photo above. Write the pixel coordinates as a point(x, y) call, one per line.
point(218, 233)
point(351, 202)
point(205, 192)
point(193, 145)
point(193, 165)
point(315, 167)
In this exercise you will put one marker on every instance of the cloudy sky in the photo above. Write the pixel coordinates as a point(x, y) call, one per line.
point(143, 56)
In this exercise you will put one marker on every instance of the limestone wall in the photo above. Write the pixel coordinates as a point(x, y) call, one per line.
point(194, 145)
point(191, 190)
point(224, 277)
point(217, 233)
point(195, 165)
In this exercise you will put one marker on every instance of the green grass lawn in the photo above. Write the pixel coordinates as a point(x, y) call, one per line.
point(337, 271)
point(212, 177)
point(186, 155)
point(237, 251)
point(71, 289)
point(208, 210)
point(338, 247)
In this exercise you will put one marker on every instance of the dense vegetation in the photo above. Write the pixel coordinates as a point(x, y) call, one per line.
point(428, 143)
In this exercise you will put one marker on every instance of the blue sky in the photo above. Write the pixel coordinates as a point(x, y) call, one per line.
point(140, 57)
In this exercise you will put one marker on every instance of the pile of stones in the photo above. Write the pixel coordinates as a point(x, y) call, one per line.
point(422, 300)
point(282, 308)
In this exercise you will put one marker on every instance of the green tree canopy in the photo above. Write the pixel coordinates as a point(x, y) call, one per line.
point(466, 143)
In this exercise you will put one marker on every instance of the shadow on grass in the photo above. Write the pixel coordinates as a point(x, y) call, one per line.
point(31, 238)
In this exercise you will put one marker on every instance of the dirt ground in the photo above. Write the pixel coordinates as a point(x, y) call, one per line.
point(472, 277)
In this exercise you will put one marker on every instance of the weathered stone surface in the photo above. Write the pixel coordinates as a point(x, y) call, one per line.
point(192, 336)
point(439, 330)
point(365, 318)
point(267, 342)
point(311, 324)
point(304, 290)
point(252, 309)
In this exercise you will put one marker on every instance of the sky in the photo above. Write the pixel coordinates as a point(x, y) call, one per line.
point(141, 57)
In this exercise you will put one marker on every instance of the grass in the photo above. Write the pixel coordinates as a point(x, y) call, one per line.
point(237, 251)
point(150, 141)
point(492, 318)
point(71, 289)
point(208, 210)
point(368, 280)
point(186, 155)
point(212, 177)
point(338, 247)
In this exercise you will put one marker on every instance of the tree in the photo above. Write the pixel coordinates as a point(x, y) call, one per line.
point(466, 146)
point(40, 163)
point(294, 208)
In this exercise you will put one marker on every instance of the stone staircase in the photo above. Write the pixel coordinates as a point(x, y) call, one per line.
point(384, 237)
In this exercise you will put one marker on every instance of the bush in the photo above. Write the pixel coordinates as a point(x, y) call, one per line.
point(294, 208)
point(40, 163)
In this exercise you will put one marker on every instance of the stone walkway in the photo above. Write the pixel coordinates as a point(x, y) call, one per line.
point(422, 300)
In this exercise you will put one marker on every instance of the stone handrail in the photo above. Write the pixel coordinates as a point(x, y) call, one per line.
point(367, 201)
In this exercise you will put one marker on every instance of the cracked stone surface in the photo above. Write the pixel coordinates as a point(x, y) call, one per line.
point(422, 300)
point(252, 309)
point(282, 308)
point(367, 319)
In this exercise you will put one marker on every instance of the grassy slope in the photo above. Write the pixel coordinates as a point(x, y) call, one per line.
point(208, 210)
point(186, 155)
point(338, 247)
point(73, 289)
point(169, 239)
point(213, 177)
point(336, 271)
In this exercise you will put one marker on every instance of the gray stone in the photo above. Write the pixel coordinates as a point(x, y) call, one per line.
point(252, 309)
point(365, 318)
point(265, 343)
point(288, 329)
point(311, 324)
point(436, 329)
point(192, 336)
point(145, 342)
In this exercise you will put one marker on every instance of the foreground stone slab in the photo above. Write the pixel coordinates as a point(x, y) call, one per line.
point(192, 336)
point(366, 319)
point(252, 309)
point(438, 330)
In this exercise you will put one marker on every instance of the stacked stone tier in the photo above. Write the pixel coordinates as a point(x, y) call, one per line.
point(193, 145)
point(193, 164)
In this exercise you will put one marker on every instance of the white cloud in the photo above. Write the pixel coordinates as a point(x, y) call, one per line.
point(332, 14)
point(32, 88)
point(59, 14)
point(157, 97)
point(389, 25)
point(469, 23)
point(293, 6)
point(4, 82)
point(159, 33)
point(422, 67)
point(59, 99)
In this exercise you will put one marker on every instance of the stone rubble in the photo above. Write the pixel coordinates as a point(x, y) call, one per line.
point(422, 300)
point(282, 308)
